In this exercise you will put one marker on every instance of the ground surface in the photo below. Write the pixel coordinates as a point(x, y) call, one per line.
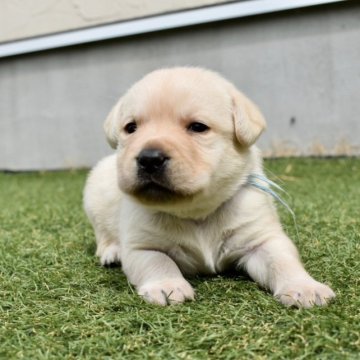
point(57, 302)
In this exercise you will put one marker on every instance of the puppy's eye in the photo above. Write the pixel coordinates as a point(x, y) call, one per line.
point(197, 127)
point(130, 127)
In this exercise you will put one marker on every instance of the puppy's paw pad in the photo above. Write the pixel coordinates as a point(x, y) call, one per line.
point(167, 292)
point(305, 294)
point(109, 255)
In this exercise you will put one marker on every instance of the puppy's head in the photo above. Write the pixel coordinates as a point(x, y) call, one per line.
point(183, 136)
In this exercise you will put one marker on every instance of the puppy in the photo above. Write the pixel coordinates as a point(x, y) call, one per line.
point(175, 199)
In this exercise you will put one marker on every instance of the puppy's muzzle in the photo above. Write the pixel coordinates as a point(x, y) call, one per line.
point(153, 183)
point(152, 176)
point(152, 162)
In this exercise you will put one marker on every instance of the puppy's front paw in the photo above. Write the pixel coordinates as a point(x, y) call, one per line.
point(305, 293)
point(109, 254)
point(167, 292)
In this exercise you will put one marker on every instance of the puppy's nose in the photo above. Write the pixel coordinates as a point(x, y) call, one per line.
point(151, 160)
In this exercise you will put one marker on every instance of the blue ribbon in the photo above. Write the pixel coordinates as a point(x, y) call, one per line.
point(256, 180)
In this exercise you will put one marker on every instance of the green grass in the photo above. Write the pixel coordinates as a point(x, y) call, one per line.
point(56, 302)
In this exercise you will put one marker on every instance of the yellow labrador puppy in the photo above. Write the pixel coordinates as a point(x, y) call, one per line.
point(175, 199)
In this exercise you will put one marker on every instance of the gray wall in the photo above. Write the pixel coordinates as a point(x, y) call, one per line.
point(301, 67)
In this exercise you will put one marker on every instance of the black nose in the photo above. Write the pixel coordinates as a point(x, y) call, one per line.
point(151, 160)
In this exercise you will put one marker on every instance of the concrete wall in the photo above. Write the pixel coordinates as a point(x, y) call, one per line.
point(301, 67)
point(23, 19)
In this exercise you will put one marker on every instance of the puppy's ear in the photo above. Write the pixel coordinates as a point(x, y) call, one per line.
point(248, 120)
point(111, 125)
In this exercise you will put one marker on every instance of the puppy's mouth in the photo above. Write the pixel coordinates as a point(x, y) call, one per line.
point(152, 190)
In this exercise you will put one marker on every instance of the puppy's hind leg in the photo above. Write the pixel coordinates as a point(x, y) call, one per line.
point(107, 248)
point(102, 199)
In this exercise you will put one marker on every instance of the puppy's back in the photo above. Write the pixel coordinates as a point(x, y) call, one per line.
point(101, 193)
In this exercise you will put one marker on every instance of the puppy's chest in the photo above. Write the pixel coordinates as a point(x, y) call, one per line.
point(197, 249)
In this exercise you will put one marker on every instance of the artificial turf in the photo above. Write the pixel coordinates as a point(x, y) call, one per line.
point(57, 302)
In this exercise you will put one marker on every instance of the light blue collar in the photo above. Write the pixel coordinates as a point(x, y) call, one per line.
point(264, 184)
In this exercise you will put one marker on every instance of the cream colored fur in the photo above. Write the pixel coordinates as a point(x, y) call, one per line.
point(218, 221)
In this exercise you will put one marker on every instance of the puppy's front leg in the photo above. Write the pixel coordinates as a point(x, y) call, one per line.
point(275, 264)
point(157, 278)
